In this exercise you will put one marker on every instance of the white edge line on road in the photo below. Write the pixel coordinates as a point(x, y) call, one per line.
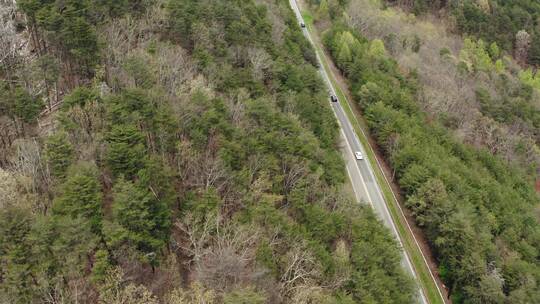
point(299, 16)
point(391, 190)
point(347, 102)
point(360, 174)
point(352, 184)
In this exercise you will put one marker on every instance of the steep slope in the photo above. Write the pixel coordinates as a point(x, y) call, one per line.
point(474, 198)
point(194, 158)
point(513, 25)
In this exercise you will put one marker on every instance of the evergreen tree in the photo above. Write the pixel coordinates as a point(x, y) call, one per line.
point(157, 177)
point(102, 266)
point(59, 154)
point(344, 54)
point(376, 48)
point(142, 219)
point(20, 104)
point(16, 255)
point(125, 152)
point(81, 196)
point(79, 97)
point(61, 247)
point(458, 193)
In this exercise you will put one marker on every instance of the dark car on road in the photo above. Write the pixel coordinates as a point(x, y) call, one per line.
point(333, 98)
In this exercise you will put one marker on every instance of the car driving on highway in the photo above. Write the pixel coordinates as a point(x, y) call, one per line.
point(358, 155)
point(333, 98)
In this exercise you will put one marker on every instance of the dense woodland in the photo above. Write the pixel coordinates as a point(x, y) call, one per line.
point(183, 151)
point(513, 25)
point(457, 120)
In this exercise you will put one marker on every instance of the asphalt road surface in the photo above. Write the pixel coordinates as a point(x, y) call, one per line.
point(363, 181)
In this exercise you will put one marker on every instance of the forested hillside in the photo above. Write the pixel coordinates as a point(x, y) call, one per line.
point(183, 151)
point(513, 25)
point(457, 121)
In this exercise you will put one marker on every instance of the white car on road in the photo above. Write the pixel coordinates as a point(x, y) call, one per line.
point(358, 155)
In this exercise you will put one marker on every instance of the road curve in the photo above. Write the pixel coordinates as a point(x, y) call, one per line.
point(363, 180)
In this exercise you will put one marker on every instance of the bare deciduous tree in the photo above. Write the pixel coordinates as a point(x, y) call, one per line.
point(11, 44)
point(445, 89)
point(116, 290)
point(196, 294)
point(301, 269)
point(65, 292)
point(202, 170)
point(307, 294)
point(293, 172)
point(212, 173)
point(29, 163)
point(88, 119)
point(229, 262)
point(198, 235)
point(523, 43)
point(127, 35)
point(361, 16)
point(237, 105)
point(260, 62)
point(175, 69)
point(222, 255)
point(8, 189)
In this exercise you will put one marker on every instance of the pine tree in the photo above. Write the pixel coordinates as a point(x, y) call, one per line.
point(376, 48)
point(15, 254)
point(79, 97)
point(59, 154)
point(60, 249)
point(102, 266)
point(125, 153)
point(81, 196)
point(157, 178)
point(23, 106)
point(142, 219)
point(344, 54)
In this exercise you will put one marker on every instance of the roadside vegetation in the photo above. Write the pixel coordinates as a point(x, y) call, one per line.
point(429, 99)
point(190, 156)
point(359, 124)
point(474, 87)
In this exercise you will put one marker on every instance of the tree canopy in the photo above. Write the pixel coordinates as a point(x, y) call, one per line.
point(475, 208)
point(193, 157)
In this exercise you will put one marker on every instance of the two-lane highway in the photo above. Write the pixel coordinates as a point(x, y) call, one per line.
point(360, 172)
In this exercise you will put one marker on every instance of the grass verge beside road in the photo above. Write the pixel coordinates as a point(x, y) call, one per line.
point(427, 283)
